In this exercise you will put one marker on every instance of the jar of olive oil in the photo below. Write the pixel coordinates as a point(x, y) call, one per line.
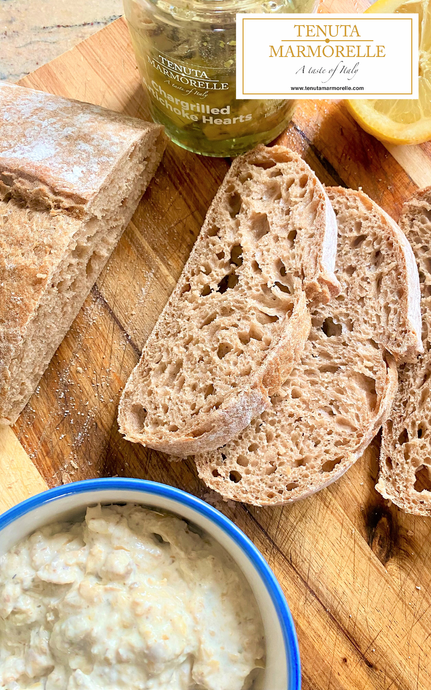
point(186, 53)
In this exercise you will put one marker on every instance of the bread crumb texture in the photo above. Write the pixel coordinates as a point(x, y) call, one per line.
point(239, 316)
point(405, 460)
point(335, 399)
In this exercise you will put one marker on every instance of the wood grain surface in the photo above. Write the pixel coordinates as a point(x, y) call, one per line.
point(356, 571)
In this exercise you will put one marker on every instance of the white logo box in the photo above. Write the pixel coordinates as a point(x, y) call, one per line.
point(327, 55)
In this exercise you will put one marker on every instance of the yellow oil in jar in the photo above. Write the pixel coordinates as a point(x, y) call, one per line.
point(186, 54)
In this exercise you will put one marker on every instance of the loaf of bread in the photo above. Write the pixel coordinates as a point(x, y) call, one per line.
point(405, 459)
point(239, 316)
point(71, 176)
point(335, 399)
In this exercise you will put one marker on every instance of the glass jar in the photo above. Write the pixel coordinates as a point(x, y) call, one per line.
point(186, 54)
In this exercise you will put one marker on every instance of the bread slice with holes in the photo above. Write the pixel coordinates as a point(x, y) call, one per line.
point(71, 176)
point(405, 459)
point(239, 316)
point(335, 399)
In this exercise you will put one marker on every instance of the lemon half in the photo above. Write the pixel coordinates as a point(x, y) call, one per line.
point(402, 121)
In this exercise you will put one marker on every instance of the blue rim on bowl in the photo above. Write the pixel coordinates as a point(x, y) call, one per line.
point(246, 545)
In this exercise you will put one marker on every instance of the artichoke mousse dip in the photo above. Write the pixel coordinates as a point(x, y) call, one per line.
point(128, 598)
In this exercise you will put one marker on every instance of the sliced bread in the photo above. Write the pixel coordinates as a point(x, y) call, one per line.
point(405, 459)
point(71, 176)
point(239, 316)
point(335, 399)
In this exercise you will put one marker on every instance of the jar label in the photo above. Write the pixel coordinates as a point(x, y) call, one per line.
point(196, 78)
point(200, 94)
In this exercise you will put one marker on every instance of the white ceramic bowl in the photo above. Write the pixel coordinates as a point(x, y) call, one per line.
point(283, 667)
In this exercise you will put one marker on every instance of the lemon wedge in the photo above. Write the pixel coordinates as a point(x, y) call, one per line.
point(402, 121)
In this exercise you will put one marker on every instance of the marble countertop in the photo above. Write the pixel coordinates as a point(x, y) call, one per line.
point(32, 32)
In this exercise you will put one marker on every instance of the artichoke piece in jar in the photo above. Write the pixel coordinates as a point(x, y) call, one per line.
point(186, 54)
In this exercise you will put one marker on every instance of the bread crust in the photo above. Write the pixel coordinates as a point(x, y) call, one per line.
point(213, 428)
point(61, 152)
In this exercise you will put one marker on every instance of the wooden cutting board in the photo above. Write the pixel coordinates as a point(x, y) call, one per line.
point(356, 571)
